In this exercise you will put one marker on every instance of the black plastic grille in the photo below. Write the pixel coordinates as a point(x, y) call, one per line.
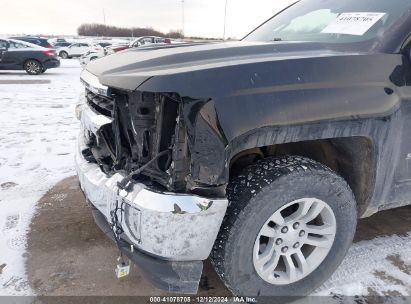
point(102, 105)
point(143, 125)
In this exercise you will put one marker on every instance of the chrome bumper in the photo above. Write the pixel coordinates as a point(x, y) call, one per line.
point(177, 227)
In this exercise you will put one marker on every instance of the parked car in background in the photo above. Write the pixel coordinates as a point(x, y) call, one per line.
point(21, 55)
point(95, 54)
point(103, 44)
point(146, 40)
point(92, 55)
point(73, 50)
point(139, 42)
point(118, 47)
point(35, 40)
point(58, 45)
point(77, 49)
point(55, 40)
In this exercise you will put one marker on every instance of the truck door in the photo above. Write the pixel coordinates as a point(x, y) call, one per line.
point(401, 189)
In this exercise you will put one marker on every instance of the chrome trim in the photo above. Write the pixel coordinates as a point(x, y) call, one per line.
point(178, 227)
point(92, 83)
point(90, 120)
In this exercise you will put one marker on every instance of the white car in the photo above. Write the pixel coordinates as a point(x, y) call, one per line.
point(91, 55)
point(77, 49)
point(147, 40)
point(139, 42)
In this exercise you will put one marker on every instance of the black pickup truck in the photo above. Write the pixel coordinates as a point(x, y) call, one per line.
point(260, 154)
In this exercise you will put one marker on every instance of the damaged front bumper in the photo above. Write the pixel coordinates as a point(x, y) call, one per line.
point(177, 230)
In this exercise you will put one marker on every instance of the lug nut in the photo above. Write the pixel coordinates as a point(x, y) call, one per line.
point(278, 241)
point(302, 233)
point(296, 225)
point(296, 245)
point(284, 229)
point(284, 249)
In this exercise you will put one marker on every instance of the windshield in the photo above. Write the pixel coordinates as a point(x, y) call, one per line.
point(333, 21)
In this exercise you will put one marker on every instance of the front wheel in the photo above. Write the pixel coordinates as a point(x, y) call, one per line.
point(289, 224)
point(33, 67)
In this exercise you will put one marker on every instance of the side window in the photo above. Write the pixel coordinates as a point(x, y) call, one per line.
point(17, 45)
point(145, 41)
point(4, 45)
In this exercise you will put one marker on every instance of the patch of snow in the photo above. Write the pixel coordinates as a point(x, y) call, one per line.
point(37, 140)
point(373, 268)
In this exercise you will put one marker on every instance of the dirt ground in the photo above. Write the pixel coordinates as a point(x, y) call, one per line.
point(69, 255)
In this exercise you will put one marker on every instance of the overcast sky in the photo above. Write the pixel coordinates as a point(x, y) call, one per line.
point(202, 17)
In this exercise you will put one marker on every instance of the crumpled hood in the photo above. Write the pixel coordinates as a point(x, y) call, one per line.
point(130, 68)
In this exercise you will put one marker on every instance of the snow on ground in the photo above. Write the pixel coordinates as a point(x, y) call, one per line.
point(380, 267)
point(37, 139)
point(38, 132)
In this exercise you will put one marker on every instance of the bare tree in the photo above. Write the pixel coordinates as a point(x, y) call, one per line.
point(95, 29)
point(175, 34)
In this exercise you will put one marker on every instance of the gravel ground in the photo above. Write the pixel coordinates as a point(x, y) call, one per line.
point(53, 247)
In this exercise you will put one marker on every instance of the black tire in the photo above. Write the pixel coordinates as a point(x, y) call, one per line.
point(33, 67)
point(64, 55)
point(257, 193)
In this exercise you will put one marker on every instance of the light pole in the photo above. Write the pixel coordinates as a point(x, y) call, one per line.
point(182, 7)
point(104, 19)
point(225, 18)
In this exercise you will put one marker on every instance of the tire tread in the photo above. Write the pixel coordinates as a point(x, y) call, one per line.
point(249, 183)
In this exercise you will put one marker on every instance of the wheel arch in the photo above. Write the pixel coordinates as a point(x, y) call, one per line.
point(63, 51)
point(31, 58)
point(352, 157)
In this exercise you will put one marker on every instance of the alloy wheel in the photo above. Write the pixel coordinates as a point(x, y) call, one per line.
point(294, 241)
point(33, 67)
